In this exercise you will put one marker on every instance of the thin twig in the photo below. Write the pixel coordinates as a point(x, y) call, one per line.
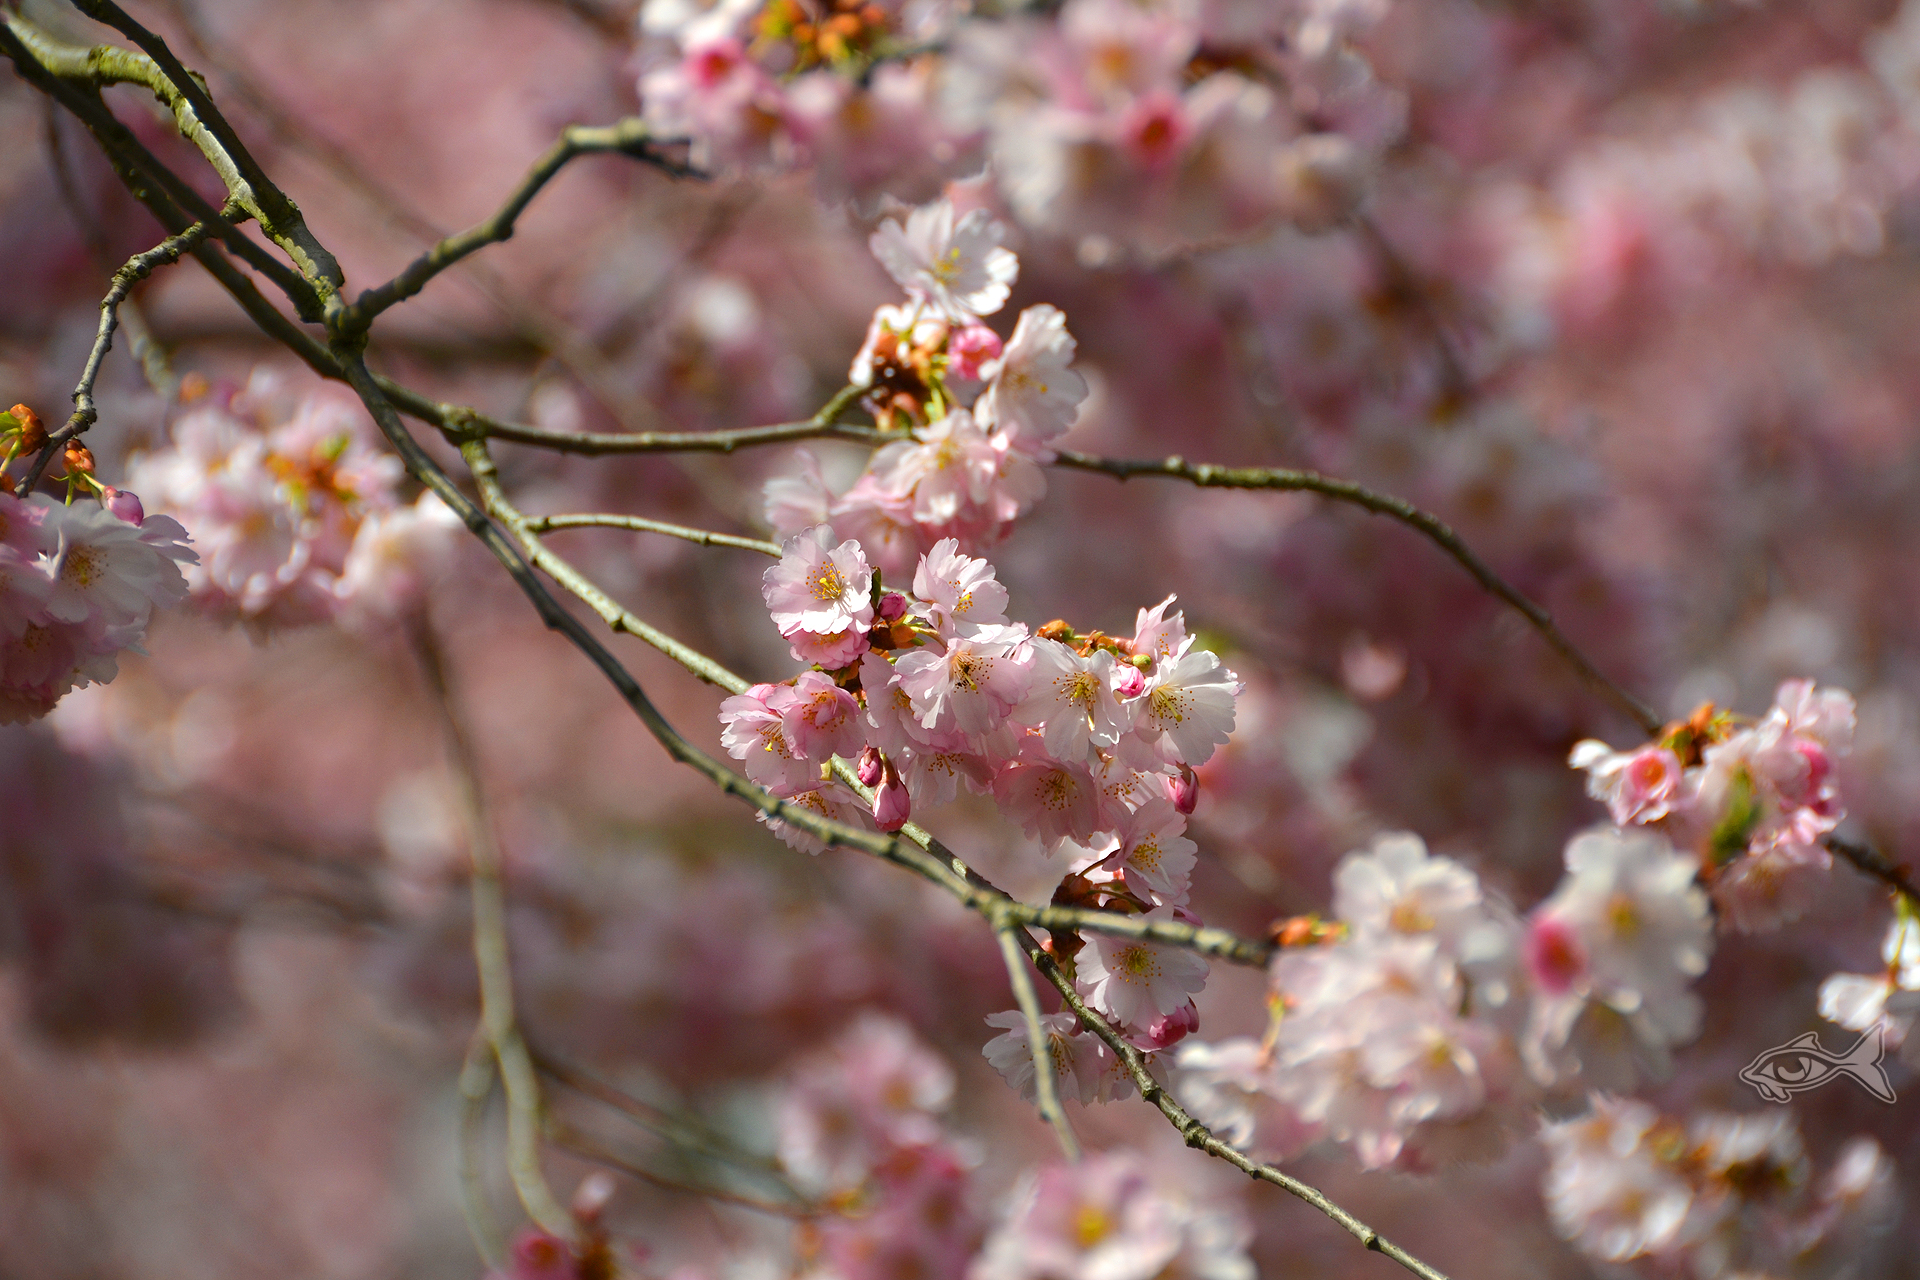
point(85, 412)
point(582, 1145)
point(629, 137)
point(1876, 864)
point(1046, 1093)
point(1207, 475)
point(593, 443)
point(476, 1086)
point(490, 956)
point(1198, 1136)
point(640, 524)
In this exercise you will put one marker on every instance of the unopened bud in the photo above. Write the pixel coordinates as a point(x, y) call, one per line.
point(870, 767)
point(1056, 630)
point(78, 459)
point(1129, 682)
point(33, 432)
point(893, 607)
point(892, 806)
point(1184, 790)
point(1169, 1029)
point(123, 504)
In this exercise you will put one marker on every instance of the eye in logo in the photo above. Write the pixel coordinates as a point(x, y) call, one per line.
point(1802, 1064)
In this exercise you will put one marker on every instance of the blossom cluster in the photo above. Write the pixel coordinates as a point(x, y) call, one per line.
point(1718, 1195)
point(1088, 742)
point(1422, 1026)
point(1751, 800)
point(961, 473)
point(295, 507)
point(861, 1130)
point(79, 579)
point(1120, 124)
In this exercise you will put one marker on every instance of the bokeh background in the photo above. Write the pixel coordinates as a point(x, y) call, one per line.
point(1632, 299)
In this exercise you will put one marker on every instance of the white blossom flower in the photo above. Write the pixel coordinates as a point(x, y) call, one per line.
point(957, 267)
point(1034, 393)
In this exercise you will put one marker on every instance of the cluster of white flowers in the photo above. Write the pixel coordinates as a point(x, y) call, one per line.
point(1421, 1027)
point(1751, 801)
point(964, 473)
point(1721, 1195)
point(294, 506)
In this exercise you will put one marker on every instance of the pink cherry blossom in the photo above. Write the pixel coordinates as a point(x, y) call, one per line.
point(1051, 800)
point(959, 590)
point(956, 266)
point(973, 685)
point(822, 720)
point(1187, 710)
point(819, 586)
point(1133, 982)
point(754, 731)
point(1154, 858)
point(1034, 393)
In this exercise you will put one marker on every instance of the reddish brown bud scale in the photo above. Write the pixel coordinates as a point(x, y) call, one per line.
point(78, 459)
point(33, 432)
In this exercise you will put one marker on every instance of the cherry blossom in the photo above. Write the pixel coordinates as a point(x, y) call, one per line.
point(1132, 981)
point(818, 586)
point(1034, 393)
point(956, 266)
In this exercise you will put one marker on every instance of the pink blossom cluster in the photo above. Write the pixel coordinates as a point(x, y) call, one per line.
point(79, 582)
point(1752, 800)
point(962, 473)
point(1149, 127)
point(1422, 1027)
point(845, 88)
point(1121, 125)
point(1089, 743)
point(1114, 1216)
point(1717, 1195)
point(295, 506)
point(859, 1127)
point(79, 579)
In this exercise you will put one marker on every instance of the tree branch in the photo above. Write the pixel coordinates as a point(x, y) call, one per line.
point(1046, 1092)
point(1209, 476)
point(640, 524)
point(1198, 1136)
point(627, 137)
point(85, 414)
point(490, 956)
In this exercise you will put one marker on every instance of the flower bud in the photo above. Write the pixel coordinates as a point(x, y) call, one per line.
point(970, 349)
point(870, 768)
point(1128, 682)
point(1169, 1029)
point(892, 806)
point(123, 504)
point(893, 607)
point(1184, 790)
point(78, 459)
point(33, 432)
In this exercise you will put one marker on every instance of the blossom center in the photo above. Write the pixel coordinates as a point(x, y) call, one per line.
point(1168, 704)
point(81, 566)
point(828, 583)
point(971, 670)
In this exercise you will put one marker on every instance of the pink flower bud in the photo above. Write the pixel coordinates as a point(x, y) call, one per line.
point(870, 767)
point(1169, 1029)
point(970, 348)
point(123, 504)
point(892, 806)
point(1184, 790)
point(1554, 955)
point(893, 607)
point(1129, 681)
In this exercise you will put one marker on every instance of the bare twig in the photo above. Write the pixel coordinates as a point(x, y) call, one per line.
point(476, 1086)
point(1207, 475)
point(1046, 1092)
point(1197, 1135)
point(628, 137)
point(822, 423)
point(1872, 862)
point(85, 413)
point(490, 955)
point(582, 1145)
point(640, 524)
